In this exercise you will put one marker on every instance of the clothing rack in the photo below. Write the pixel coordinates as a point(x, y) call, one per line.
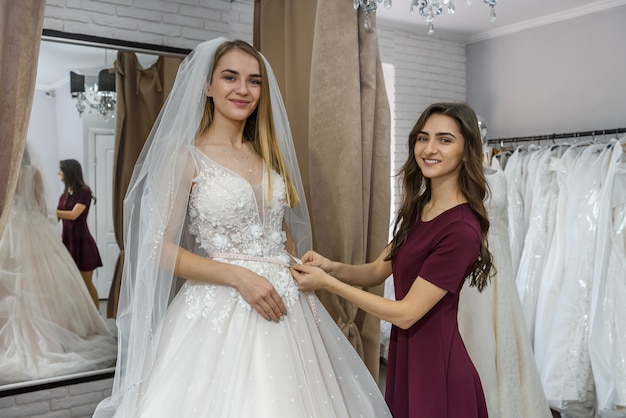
point(552, 137)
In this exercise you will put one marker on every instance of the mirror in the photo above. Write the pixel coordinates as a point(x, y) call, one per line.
point(58, 131)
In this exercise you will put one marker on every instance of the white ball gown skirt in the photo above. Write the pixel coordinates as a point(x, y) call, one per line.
point(219, 358)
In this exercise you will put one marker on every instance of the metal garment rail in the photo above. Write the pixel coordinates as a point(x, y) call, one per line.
point(553, 137)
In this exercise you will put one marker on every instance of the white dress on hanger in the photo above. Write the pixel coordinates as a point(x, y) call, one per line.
point(217, 357)
point(566, 372)
point(49, 325)
point(552, 275)
point(492, 324)
point(515, 204)
point(539, 209)
point(607, 336)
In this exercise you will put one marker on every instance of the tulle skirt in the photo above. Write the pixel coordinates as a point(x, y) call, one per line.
point(219, 358)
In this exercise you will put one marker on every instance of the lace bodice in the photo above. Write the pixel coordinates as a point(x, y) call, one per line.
point(229, 215)
point(232, 222)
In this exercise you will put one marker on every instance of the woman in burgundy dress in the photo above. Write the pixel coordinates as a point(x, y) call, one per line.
point(73, 209)
point(439, 240)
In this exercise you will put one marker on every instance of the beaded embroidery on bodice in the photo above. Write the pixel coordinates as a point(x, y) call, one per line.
point(229, 215)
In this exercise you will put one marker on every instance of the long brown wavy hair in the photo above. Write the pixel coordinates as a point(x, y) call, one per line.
point(416, 188)
point(73, 178)
point(259, 129)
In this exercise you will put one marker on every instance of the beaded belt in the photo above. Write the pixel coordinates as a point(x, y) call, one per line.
point(233, 256)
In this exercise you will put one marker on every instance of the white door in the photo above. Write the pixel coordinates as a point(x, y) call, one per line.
point(101, 180)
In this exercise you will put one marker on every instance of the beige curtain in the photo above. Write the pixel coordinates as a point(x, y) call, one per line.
point(348, 197)
point(349, 155)
point(283, 32)
point(140, 96)
point(21, 24)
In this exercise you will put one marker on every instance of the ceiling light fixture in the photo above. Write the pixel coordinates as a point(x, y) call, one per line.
point(427, 9)
point(100, 97)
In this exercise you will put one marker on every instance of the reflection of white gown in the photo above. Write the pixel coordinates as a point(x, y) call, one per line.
point(49, 325)
point(217, 357)
point(493, 328)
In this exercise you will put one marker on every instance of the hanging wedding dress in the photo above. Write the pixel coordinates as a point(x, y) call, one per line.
point(515, 205)
point(493, 328)
point(566, 372)
point(552, 275)
point(607, 336)
point(540, 204)
point(49, 325)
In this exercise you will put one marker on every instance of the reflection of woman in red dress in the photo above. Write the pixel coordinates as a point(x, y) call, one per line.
point(440, 238)
point(73, 209)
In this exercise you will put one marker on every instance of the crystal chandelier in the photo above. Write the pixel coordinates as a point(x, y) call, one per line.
point(427, 9)
point(100, 97)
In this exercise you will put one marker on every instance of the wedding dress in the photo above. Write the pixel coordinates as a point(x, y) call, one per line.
point(217, 357)
point(553, 270)
point(541, 204)
point(49, 325)
point(492, 324)
point(607, 334)
point(566, 372)
point(515, 205)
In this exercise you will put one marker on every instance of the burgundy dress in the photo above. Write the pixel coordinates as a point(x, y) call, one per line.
point(429, 372)
point(76, 235)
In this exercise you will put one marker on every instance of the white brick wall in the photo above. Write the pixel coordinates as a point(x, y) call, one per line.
point(173, 23)
point(427, 70)
point(74, 401)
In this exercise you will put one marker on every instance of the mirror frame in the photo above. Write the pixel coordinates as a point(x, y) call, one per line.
point(17, 388)
point(110, 43)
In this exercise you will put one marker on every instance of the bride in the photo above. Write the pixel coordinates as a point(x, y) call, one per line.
point(216, 198)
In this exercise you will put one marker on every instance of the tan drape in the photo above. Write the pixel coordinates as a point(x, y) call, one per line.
point(285, 31)
point(21, 24)
point(349, 155)
point(140, 96)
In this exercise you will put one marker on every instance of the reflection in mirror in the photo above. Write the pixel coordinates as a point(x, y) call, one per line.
point(49, 326)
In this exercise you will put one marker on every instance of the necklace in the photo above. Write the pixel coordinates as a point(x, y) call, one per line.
point(240, 160)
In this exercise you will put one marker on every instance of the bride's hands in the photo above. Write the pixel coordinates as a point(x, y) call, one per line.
point(261, 295)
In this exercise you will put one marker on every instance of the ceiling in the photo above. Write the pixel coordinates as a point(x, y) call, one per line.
point(471, 23)
point(468, 24)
